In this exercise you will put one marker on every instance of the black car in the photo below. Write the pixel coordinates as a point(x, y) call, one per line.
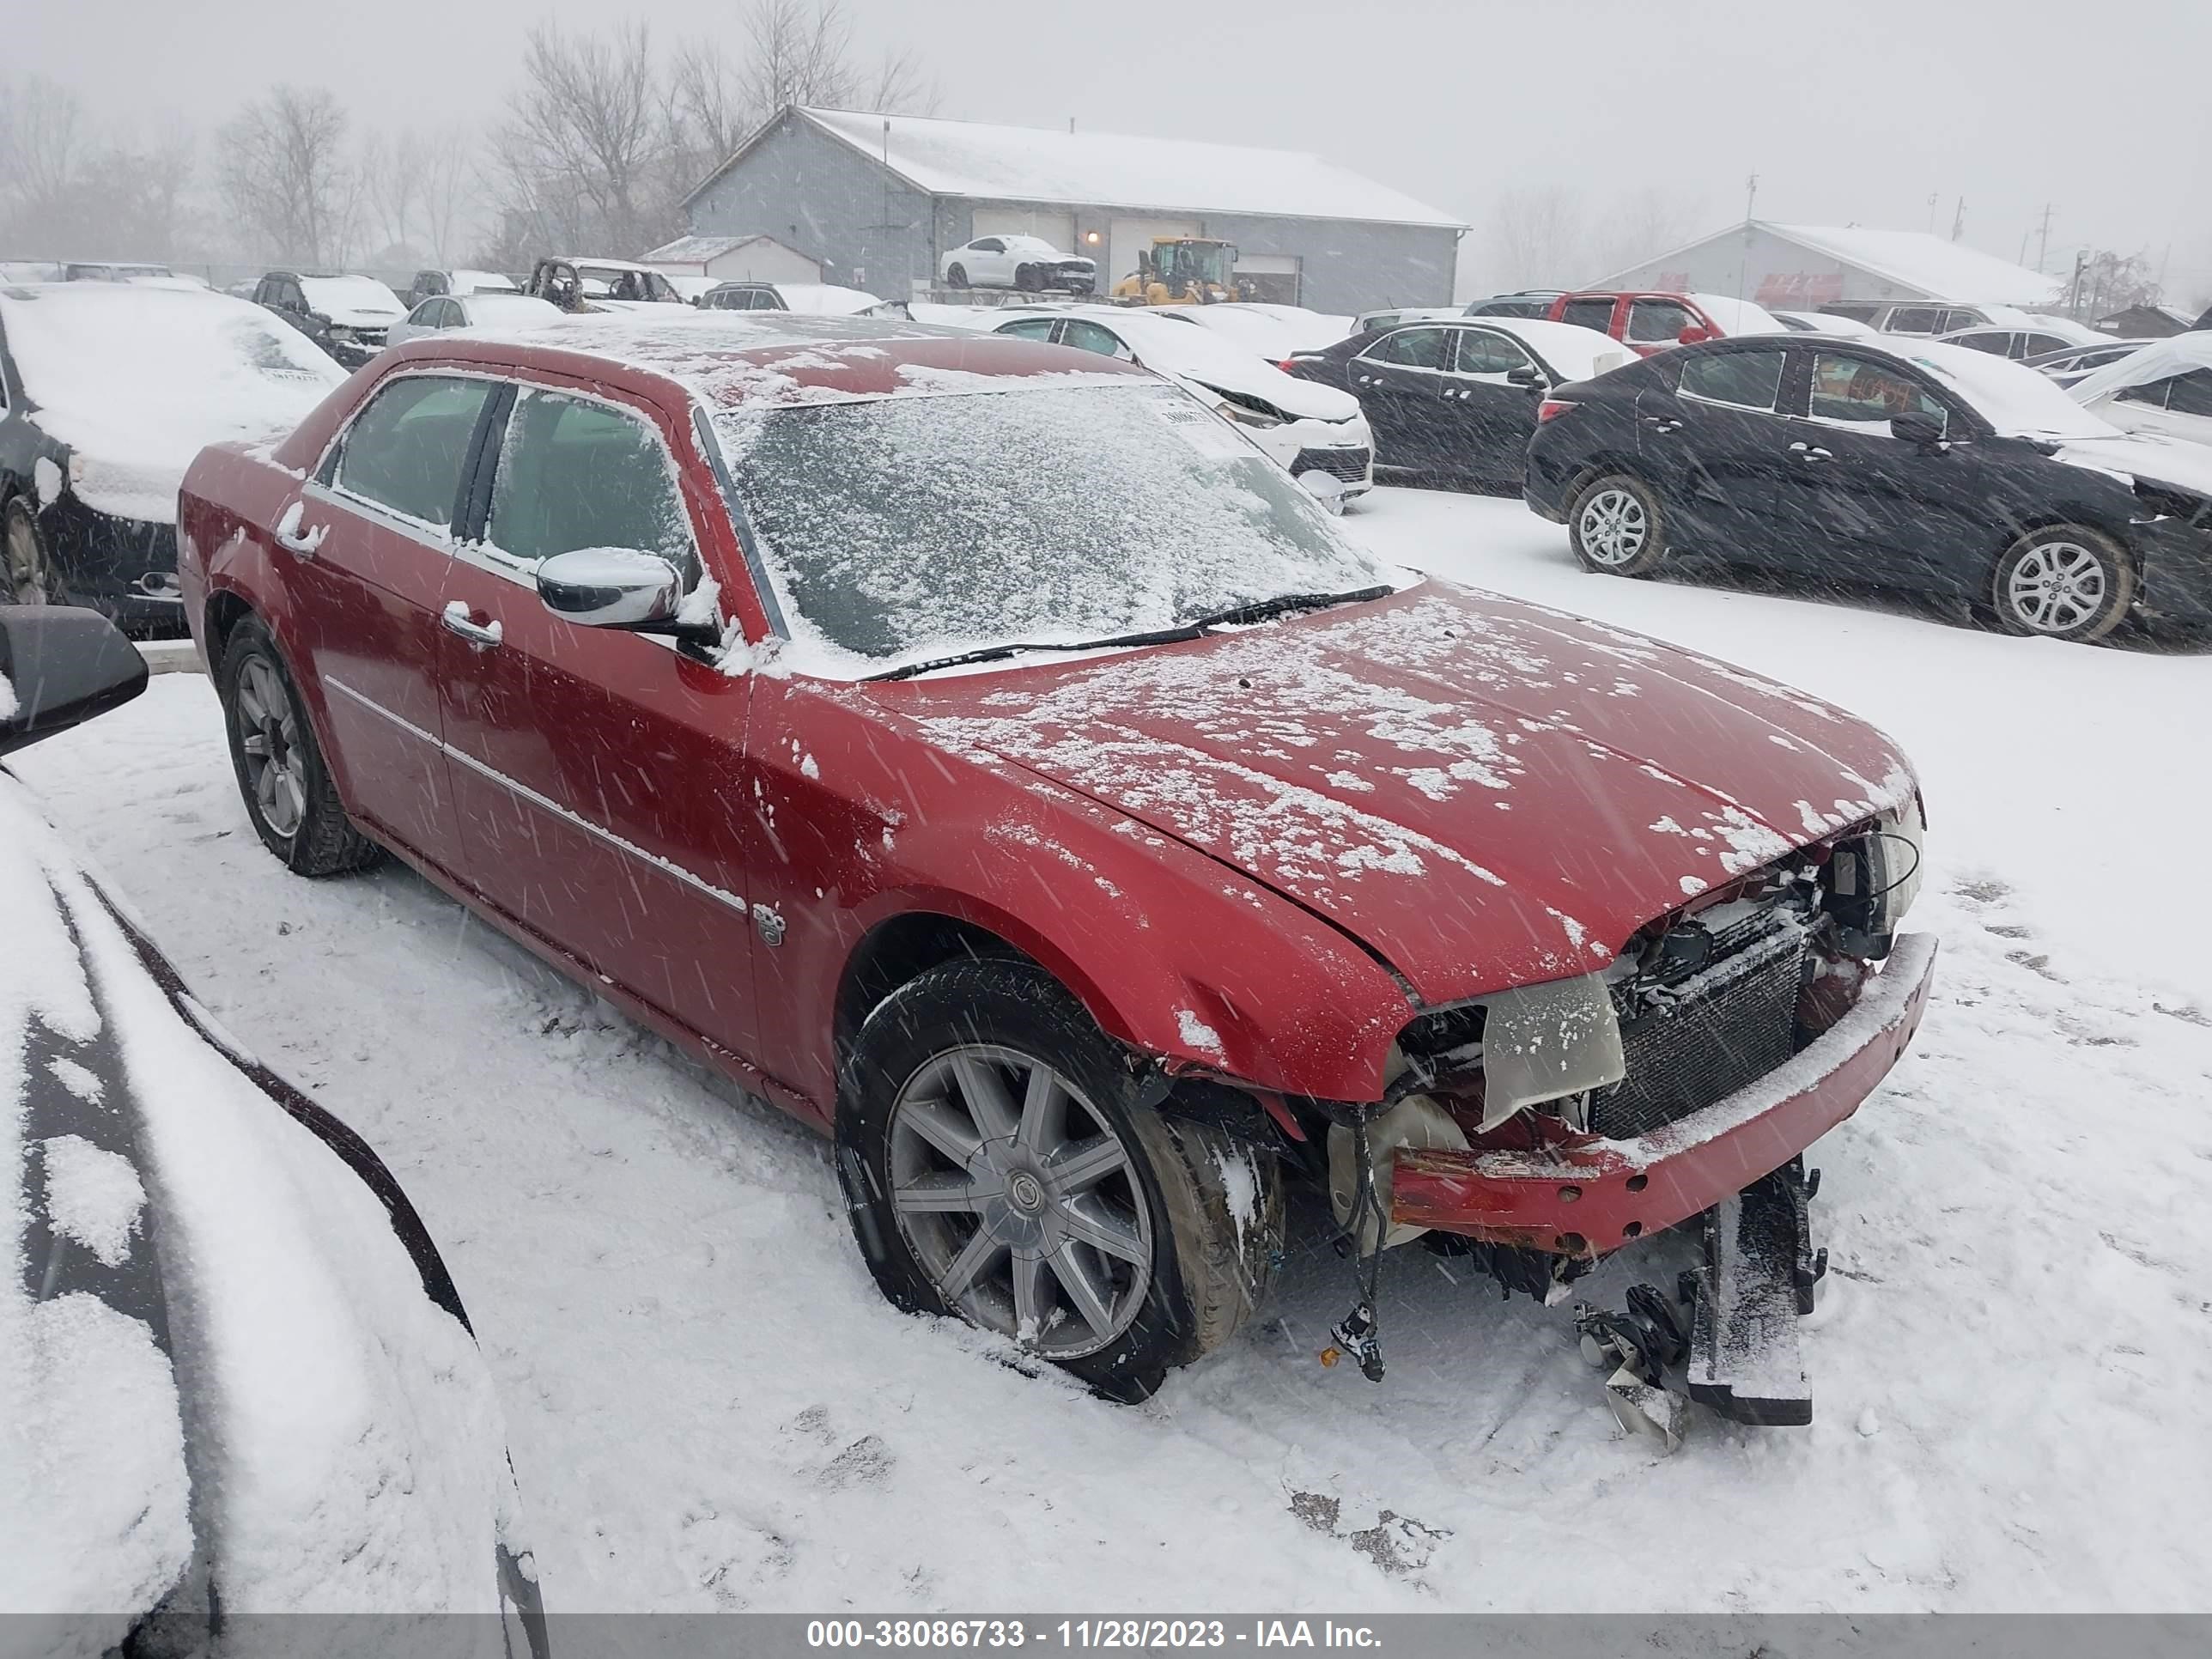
point(108, 391)
point(1911, 464)
point(346, 316)
point(250, 1383)
point(1454, 403)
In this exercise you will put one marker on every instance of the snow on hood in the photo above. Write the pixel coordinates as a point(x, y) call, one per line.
point(137, 381)
point(347, 1450)
point(2176, 354)
point(2151, 455)
point(353, 301)
point(1488, 792)
point(1195, 353)
point(2018, 401)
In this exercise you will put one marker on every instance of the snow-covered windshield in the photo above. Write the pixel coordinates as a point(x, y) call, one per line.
point(362, 295)
point(912, 527)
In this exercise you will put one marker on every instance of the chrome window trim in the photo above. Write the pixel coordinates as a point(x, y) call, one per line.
point(524, 791)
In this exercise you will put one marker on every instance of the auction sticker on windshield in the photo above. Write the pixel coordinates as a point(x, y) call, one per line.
point(1197, 427)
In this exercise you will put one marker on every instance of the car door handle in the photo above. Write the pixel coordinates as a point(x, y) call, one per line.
point(457, 620)
point(1664, 423)
point(294, 537)
point(1810, 452)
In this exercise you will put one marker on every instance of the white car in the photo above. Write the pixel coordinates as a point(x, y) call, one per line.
point(1301, 426)
point(493, 310)
point(1271, 330)
point(1391, 316)
point(2165, 387)
point(1023, 262)
point(2020, 344)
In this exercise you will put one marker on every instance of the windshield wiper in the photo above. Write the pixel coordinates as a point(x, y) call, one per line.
point(1252, 612)
point(994, 652)
point(1282, 603)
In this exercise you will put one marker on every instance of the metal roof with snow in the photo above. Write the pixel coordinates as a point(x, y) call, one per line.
point(973, 160)
point(1930, 266)
point(699, 249)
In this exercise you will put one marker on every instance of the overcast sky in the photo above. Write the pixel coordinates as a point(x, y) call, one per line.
point(1848, 113)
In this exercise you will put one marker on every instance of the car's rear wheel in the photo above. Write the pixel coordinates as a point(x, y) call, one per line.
point(27, 575)
point(1616, 526)
point(2065, 582)
point(998, 1167)
point(287, 789)
point(956, 276)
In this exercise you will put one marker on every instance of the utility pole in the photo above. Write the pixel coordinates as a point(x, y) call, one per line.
point(1750, 196)
point(2073, 289)
point(2043, 248)
point(1958, 220)
point(1931, 212)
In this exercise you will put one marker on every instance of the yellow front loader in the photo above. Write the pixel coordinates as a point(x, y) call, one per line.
point(1181, 271)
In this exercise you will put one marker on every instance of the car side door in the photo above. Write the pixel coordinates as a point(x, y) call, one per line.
point(597, 772)
point(2179, 406)
point(987, 262)
point(1860, 503)
point(1493, 412)
point(363, 554)
point(1400, 383)
point(1715, 447)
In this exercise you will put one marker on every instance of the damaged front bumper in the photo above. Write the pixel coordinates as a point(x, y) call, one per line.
point(1589, 1197)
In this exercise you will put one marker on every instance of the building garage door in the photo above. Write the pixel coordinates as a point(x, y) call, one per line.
point(1273, 278)
point(1127, 237)
point(1056, 227)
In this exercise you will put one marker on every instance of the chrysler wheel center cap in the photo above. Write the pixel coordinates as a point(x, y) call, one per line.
point(1025, 1192)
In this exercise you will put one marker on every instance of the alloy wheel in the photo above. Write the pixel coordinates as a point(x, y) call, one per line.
point(30, 581)
point(1612, 527)
point(268, 737)
point(1020, 1201)
point(2056, 586)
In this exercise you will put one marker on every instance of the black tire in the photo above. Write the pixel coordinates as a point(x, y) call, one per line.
point(1636, 543)
point(26, 569)
point(311, 834)
point(2062, 582)
point(1026, 279)
point(956, 276)
point(1205, 1269)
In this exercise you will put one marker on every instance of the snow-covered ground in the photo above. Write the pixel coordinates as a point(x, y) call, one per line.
point(709, 1406)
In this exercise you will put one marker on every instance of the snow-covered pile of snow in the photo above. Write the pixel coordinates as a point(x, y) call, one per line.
point(137, 381)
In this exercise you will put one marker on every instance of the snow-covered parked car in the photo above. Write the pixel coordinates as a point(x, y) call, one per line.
point(1892, 461)
point(500, 310)
point(236, 1376)
point(815, 299)
point(2163, 388)
point(429, 283)
point(1305, 427)
point(980, 750)
point(108, 391)
point(1269, 331)
point(346, 316)
point(1029, 262)
point(579, 283)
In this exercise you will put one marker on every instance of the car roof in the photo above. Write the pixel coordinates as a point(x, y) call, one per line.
point(728, 358)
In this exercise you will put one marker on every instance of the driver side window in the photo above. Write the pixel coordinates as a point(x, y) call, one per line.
point(1865, 392)
point(574, 472)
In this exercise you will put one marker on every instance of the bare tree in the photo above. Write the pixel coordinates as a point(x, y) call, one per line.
point(1640, 225)
point(40, 148)
point(1538, 237)
point(62, 197)
point(285, 177)
point(2108, 282)
point(583, 151)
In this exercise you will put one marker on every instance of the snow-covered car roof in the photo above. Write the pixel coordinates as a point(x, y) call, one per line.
point(2176, 354)
point(494, 308)
point(1197, 354)
point(137, 379)
point(1273, 331)
point(825, 299)
point(465, 283)
point(345, 298)
point(1737, 316)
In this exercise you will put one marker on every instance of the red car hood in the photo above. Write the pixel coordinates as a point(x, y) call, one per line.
point(1487, 792)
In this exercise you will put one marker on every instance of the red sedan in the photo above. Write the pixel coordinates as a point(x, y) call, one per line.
point(981, 750)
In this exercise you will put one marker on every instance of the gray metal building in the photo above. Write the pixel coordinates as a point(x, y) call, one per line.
point(878, 199)
point(1806, 266)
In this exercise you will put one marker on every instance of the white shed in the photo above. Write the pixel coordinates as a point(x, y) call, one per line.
point(735, 258)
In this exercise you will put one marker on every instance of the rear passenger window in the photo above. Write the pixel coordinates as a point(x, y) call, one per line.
point(1415, 348)
point(575, 473)
point(2190, 393)
point(1481, 352)
point(405, 451)
point(1650, 320)
point(1749, 379)
point(1589, 313)
point(1918, 320)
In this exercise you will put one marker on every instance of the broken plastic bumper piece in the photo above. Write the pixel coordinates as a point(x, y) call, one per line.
point(1590, 1198)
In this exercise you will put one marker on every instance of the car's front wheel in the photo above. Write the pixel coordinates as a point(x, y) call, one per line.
point(289, 795)
point(2066, 582)
point(1616, 526)
point(998, 1166)
point(1026, 279)
point(956, 276)
point(27, 576)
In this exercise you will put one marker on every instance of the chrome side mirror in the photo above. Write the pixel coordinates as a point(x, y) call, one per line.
point(612, 587)
point(1326, 488)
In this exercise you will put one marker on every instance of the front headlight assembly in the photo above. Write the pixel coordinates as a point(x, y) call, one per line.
point(1873, 880)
